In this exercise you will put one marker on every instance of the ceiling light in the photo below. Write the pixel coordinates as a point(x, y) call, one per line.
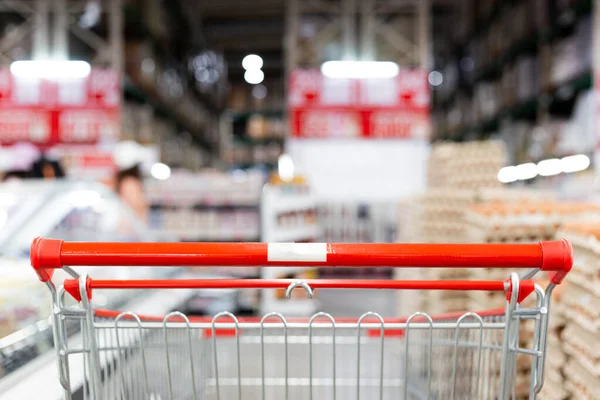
point(50, 69)
point(549, 167)
point(252, 62)
point(285, 167)
point(160, 171)
point(526, 171)
point(254, 76)
point(575, 163)
point(435, 78)
point(508, 174)
point(360, 69)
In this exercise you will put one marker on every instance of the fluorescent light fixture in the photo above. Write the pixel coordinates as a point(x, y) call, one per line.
point(574, 163)
point(360, 69)
point(160, 171)
point(549, 167)
point(254, 76)
point(252, 62)
point(50, 69)
point(508, 174)
point(285, 167)
point(526, 171)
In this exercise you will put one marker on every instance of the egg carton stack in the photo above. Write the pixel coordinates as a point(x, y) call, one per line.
point(529, 221)
point(581, 336)
point(514, 222)
point(444, 220)
point(456, 175)
point(470, 165)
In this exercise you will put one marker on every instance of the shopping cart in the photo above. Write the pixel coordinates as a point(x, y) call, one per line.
point(461, 356)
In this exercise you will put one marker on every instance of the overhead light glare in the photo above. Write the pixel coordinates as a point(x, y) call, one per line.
point(508, 174)
point(252, 62)
point(527, 171)
point(254, 76)
point(160, 171)
point(574, 163)
point(285, 168)
point(549, 167)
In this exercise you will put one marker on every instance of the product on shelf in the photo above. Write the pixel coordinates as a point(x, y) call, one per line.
point(524, 221)
point(288, 212)
point(575, 322)
point(581, 304)
point(469, 165)
point(207, 206)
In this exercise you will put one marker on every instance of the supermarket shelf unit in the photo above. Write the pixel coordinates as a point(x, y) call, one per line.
point(357, 222)
point(522, 66)
point(253, 138)
point(288, 214)
point(206, 206)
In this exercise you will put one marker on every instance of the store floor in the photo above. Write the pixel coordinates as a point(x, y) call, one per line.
point(355, 302)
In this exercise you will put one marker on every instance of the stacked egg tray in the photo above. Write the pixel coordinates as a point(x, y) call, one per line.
point(577, 299)
point(469, 165)
point(581, 300)
point(524, 221)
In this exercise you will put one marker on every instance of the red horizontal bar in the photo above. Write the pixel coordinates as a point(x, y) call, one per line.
point(256, 254)
point(48, 254)
point(348, 255)
point(284, 283)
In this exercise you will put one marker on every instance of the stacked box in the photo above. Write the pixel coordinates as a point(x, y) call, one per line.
point(524, 221)
point(580, 338)
point(470, 165)
point(577, 300)
point(459, 176)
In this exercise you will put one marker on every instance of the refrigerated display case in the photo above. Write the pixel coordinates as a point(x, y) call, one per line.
point(81, 211)
point(75, 211)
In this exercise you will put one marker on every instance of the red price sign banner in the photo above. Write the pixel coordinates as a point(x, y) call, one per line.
point(392, 108)
point(73, 111)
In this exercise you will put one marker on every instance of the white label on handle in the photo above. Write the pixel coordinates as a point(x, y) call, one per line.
point(302, 252)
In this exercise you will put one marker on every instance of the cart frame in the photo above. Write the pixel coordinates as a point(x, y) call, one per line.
point(554, 257)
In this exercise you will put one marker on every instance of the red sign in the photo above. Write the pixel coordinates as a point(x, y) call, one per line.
point(46, 113)
point(87, 162)
point(323, 107)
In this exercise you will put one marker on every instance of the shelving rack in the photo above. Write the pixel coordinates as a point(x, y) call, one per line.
point(253, 138)
point(484, 56)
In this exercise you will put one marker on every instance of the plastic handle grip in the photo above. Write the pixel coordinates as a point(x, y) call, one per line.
point(48, 254)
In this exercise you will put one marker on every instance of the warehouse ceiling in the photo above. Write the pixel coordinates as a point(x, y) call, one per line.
point(240, 27)
point(243, 27)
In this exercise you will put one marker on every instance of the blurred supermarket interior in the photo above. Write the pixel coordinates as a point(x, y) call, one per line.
point(324, 121)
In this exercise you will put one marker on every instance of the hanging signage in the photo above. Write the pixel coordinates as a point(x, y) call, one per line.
point(396, 108)
point(46, 113)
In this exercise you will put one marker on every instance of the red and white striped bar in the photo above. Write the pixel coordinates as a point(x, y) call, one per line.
point(553, 256)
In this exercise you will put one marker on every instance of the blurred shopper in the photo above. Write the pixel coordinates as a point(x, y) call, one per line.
point(45, 168)
point(129, 186)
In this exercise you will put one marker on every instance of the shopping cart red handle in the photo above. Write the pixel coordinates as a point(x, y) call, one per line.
point(556, 257)
point(526, 287)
